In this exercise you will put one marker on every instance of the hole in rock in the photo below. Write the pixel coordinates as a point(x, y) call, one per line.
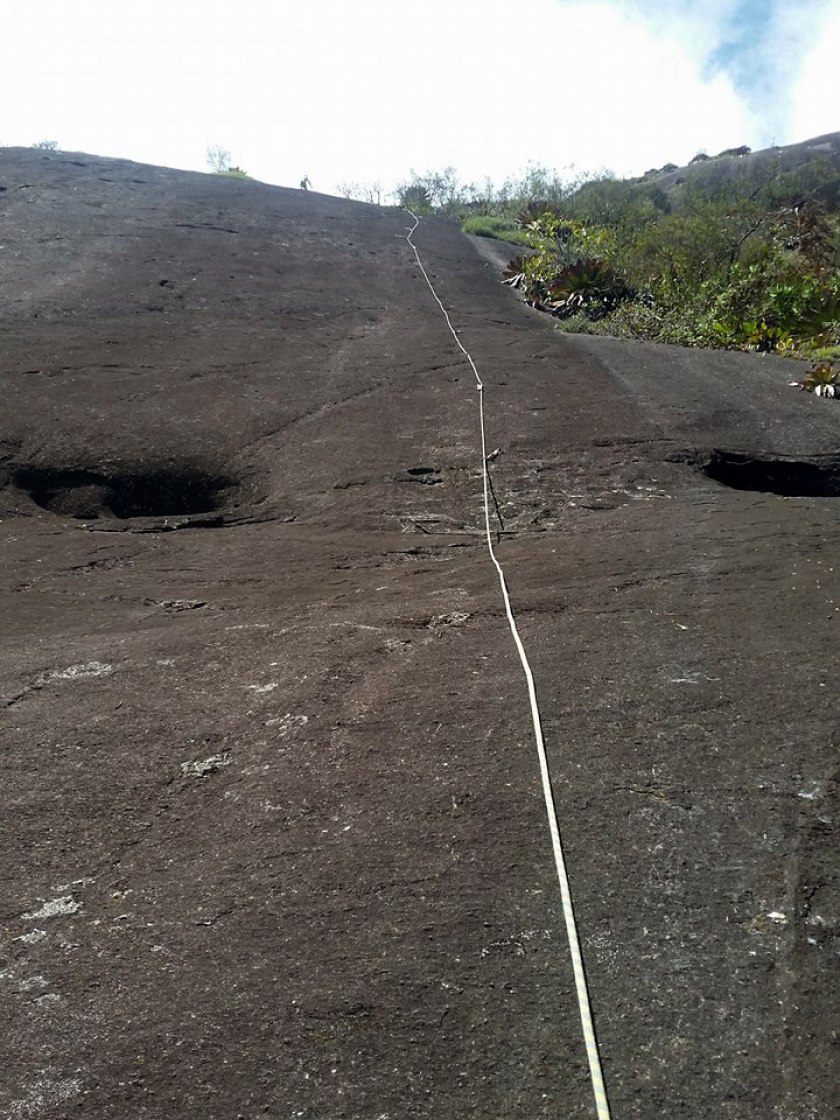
point(791, 478)
point(143, 492)
point(422, 470)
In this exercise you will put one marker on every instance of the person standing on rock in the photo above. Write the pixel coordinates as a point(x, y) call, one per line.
point(305, 184)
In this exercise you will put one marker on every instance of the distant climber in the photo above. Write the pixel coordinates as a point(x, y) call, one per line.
point(305, 183)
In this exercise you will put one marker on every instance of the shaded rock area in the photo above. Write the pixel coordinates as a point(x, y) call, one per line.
point(273, 833)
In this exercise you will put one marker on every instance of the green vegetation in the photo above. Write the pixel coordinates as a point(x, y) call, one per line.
point(745, 268)
point(218, 160)
point(745, 259)
point(827, 353)
point(495, 225)
point(440, 193)
point(823, 380)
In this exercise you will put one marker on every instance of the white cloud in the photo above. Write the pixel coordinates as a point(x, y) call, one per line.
point(369, 89)
point(770, 66)
point(815, 107)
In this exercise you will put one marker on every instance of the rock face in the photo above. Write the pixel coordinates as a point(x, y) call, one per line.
point(273, 832)
point(741, 165)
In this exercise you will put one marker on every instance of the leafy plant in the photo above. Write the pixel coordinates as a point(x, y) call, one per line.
point(764, 337)
point(514, 275)
point(531, 216)
point(823, 380)
point(586, 286)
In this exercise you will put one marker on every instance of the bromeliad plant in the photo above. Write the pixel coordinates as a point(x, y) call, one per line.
point(587, 286)
point(531, 216)
point(823, 380)
point(566, 273)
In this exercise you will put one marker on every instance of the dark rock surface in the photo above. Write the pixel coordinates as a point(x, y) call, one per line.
point(274, 841)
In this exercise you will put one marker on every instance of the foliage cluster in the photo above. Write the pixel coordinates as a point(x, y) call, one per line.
point(441, 193)
point(724, 263)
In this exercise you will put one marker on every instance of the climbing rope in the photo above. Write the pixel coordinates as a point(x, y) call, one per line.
point(593, 1056)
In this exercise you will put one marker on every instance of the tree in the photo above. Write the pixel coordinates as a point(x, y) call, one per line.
point(218, 158)
point(435, 192)
point(363, 192)
point(415, 197)
point(46, 145)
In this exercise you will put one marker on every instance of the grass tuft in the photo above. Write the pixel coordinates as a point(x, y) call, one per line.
point(494, 225)
point(827, 353)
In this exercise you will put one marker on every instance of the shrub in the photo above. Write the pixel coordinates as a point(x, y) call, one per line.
point(415, 198)
point(749, 260)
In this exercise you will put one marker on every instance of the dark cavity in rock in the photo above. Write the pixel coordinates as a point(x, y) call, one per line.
point(791, 478)
point(144, 492)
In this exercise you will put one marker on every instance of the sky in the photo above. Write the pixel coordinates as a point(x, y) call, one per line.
point(369, 91)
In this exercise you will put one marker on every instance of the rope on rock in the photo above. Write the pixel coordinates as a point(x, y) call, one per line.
point(584, 1005)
